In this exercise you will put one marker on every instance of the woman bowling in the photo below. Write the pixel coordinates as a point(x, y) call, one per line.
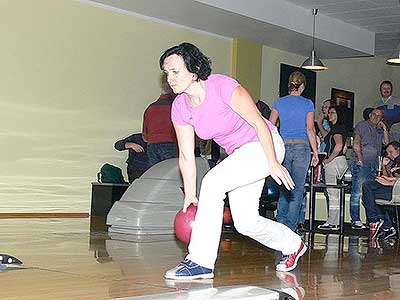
point(217, 107)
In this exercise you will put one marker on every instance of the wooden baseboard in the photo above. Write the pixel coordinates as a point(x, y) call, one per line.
point(42, 215)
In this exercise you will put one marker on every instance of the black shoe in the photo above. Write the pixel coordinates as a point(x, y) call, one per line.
point(387, 233)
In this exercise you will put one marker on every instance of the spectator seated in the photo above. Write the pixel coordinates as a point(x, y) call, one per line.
point(394, 202)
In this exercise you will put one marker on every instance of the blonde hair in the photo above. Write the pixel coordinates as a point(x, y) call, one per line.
point(296, 79)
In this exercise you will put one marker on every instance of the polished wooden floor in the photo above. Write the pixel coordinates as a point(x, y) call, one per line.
point(78, 259)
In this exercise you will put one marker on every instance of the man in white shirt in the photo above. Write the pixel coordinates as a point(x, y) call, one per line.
point(386, 89)
point(389, 104)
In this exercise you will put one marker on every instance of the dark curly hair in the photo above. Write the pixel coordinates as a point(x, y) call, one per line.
point(195, 61)
point(340, 114)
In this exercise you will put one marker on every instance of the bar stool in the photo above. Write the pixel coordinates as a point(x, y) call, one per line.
point(319, 187)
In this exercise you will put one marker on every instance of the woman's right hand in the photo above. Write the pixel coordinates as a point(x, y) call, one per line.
point(189, 200)
point(281, 175)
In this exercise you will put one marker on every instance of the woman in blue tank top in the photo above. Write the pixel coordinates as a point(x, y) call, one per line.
point(296, 115)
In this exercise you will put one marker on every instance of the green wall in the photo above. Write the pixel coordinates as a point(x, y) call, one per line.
point(74, 79)
point(246, 65)
point(359, 75)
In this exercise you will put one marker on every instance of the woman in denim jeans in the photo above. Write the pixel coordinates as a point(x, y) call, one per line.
point(296, 115)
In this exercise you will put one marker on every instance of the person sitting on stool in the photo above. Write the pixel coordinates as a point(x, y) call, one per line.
point(335, 164)
point(377, 189)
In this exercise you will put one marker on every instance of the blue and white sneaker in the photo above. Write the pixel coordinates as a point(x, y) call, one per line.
point(188, 270)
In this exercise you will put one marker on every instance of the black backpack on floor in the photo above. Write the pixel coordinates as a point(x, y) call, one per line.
point(110, 174)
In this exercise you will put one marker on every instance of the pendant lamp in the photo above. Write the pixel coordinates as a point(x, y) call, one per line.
point(395, 58)
point(312, 62)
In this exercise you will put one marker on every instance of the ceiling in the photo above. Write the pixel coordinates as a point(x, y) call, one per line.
point(344, 28)
point(379, 16)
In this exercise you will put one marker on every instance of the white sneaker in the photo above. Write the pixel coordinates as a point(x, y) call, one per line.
point(357, 225)
point(327, 226)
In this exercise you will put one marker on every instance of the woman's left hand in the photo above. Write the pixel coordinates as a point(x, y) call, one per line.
point(281, 175)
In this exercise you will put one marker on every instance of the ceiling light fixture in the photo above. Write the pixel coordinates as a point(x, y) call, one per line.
point(312, 62)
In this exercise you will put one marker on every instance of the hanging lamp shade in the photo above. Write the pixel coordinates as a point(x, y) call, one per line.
point(395, 58)
point(313, 62)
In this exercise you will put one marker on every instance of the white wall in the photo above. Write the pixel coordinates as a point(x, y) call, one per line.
point(359, 75)
point(74, 78)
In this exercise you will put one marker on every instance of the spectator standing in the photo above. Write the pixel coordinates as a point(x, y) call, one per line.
point(323, 122)
point(158, 130)
point(389, 103)
point(296, 115)
point(386, 90)
point(367, 146)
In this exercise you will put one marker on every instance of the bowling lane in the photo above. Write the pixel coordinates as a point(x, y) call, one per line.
point(78, 259)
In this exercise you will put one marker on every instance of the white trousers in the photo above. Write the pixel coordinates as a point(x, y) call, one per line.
point(334, 170)
point(242, 175)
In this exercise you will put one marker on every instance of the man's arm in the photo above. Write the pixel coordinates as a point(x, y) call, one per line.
point(386, 137)
point(357, 149)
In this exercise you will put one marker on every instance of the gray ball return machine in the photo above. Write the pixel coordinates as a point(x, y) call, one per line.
point(149, 205)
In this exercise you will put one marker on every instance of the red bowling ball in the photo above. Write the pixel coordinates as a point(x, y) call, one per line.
point(184, 222)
